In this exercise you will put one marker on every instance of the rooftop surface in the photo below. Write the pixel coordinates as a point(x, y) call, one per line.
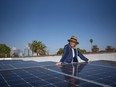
point(21, 73)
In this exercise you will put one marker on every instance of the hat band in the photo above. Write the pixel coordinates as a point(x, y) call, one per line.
point(74, 39)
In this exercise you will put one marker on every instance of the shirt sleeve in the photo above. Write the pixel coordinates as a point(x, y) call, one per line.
point(66, 51)
point(82, 56)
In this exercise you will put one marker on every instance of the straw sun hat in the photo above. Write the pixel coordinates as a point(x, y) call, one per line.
point(73, 39)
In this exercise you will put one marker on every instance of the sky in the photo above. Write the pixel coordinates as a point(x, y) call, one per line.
point(55, 21)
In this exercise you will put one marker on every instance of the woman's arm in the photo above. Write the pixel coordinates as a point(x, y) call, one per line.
point(63, 56)
point(65, 53)
point(82, 57)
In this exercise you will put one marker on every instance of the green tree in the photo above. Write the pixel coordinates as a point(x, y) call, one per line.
point(95, 48)
point(4, 50)
point(81, 50)
point(38, 47)
point(91, 41)
point(41, 48)
point(60, 51)
point(110, 49)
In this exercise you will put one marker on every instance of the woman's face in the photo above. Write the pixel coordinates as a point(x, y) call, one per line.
point(72, 44)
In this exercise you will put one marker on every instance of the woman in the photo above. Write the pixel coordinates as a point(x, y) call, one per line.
point(70, 52)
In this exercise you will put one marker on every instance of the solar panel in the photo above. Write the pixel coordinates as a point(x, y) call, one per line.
point(19, 73)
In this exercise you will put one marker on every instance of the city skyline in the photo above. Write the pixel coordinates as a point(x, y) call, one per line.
point(54, 22)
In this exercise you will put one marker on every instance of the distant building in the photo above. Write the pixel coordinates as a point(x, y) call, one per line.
point(27, 51)
point(13, 50)
point(16, 52)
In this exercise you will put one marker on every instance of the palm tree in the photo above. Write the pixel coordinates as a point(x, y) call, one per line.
point(81, 50)
point(33, 46)
point(41, 48)
point(38, 47)
point(109, 49)
point(95, 48)
point(60, 51)
point(91, 41)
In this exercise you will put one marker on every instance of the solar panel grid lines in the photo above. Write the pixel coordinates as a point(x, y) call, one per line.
point(38, 77)
point(100, 84)
point(20, 73)
point(100, 76)
point(12, 66)
point(4, 83)
point(22, 66)
point(102, 66)
point(23, 79)
point(51, 78)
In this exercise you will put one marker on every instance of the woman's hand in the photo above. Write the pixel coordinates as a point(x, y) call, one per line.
point(59, 64)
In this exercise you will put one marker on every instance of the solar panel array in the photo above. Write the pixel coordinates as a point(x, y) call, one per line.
point(19, 73)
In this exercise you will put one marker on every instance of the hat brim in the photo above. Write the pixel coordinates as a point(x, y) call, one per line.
point(70, 40)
